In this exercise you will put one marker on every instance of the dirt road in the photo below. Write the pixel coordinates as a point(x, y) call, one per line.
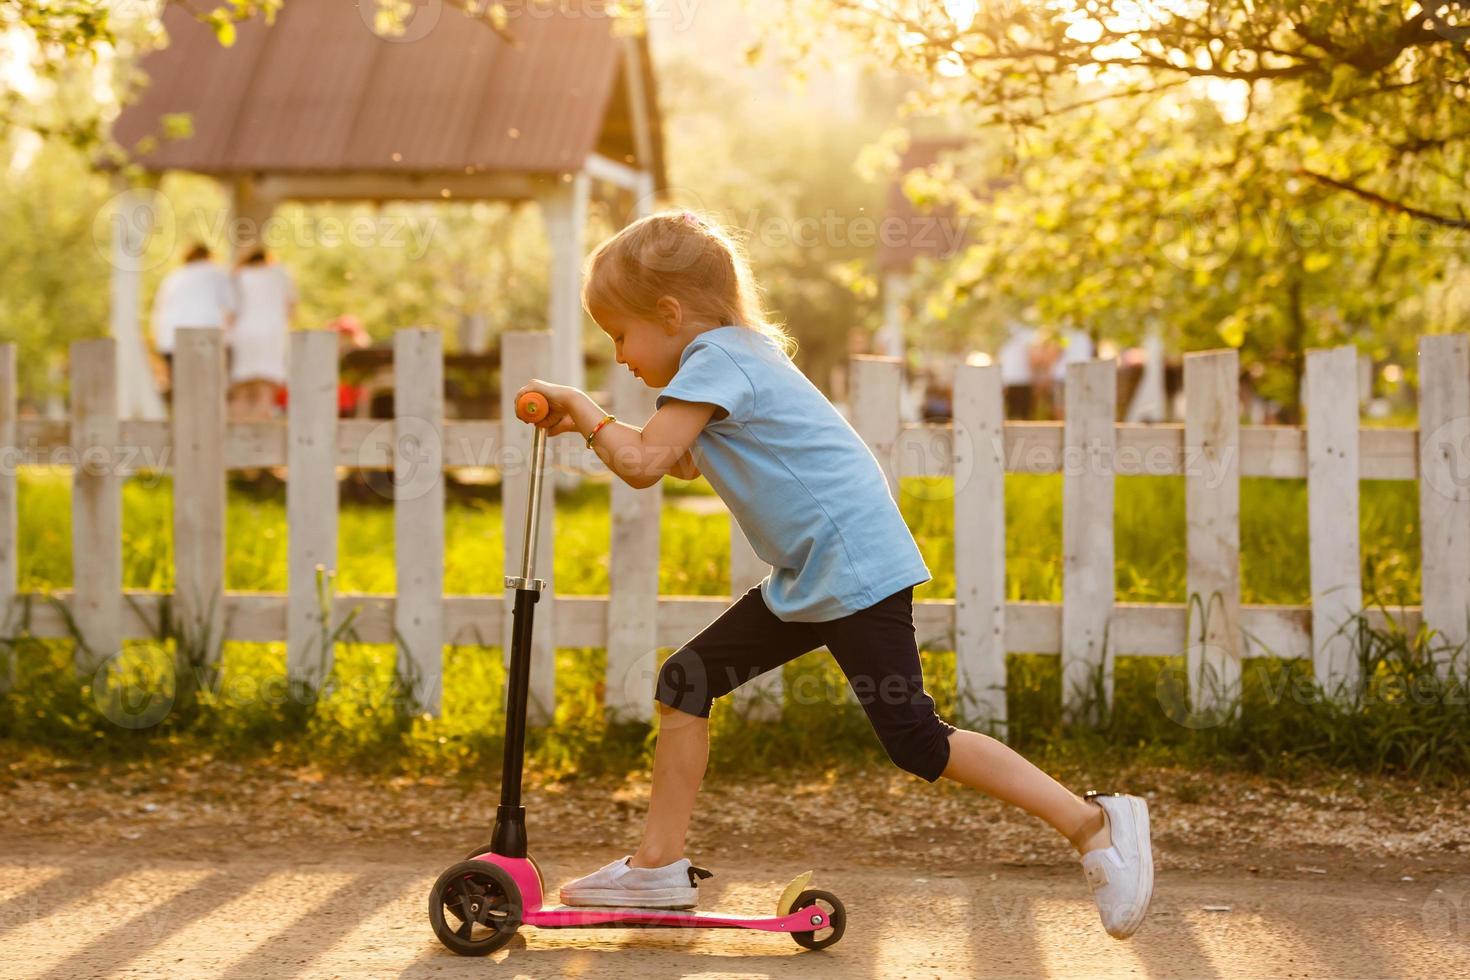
point(215, 870)
point(87, 912)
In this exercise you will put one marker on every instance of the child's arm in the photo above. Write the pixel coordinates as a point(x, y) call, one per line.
point(640, 457)
point(685, 469)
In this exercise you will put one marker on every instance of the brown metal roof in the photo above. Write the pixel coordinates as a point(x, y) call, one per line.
point(320, 92)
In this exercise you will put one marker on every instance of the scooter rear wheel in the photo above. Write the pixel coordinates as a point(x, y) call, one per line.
point(475, 908)
point(836, 915)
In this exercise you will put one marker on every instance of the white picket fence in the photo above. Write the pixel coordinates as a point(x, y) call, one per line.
point(1089, 628)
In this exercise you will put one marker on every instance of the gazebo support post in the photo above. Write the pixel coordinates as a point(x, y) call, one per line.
point(250, 211)
point(564, 211)
point(133, 224)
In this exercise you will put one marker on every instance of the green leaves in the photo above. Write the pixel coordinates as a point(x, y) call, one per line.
point(224, 27)
point(1148, 172)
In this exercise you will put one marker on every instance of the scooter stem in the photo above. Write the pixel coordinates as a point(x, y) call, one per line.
point(533, 505)
point(509, 838)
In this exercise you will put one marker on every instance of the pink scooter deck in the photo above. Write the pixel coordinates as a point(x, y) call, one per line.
point(528, 880)
point(562, 916)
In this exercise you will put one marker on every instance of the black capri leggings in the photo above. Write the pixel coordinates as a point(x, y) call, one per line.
point(875, 647)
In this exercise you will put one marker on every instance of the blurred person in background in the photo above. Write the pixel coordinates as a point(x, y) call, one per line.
point(1076, 346)
point(350, 336)
point(259, 338)
point(1014, 358)
point(198, 293)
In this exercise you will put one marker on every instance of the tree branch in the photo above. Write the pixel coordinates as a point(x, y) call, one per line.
point(1378, 200)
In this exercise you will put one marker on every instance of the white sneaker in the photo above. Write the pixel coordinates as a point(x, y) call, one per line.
point(1121, 875)
point(673, 886)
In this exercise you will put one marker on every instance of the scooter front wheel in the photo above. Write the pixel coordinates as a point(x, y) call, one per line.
point(836, 917)
point(475, 908)
point(487, 848)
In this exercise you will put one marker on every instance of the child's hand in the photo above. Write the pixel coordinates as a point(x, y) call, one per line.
point(560, 399)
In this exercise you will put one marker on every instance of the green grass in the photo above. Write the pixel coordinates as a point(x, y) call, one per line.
point(360, 720)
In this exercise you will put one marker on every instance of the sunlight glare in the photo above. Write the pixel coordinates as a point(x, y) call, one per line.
point(1085, 30)
point(962, 12)
point(950, 65)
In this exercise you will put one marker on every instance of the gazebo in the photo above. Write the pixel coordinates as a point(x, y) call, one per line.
point(553, 105)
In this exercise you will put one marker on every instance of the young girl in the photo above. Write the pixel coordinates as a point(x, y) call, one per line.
point(675, 295)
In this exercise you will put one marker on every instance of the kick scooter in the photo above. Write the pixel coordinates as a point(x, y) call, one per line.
point(477, 906)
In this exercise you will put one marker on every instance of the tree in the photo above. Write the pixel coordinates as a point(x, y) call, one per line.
point(1270, 174)
point(69, 39)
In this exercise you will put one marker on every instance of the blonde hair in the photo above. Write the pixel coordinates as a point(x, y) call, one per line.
point(680, 254)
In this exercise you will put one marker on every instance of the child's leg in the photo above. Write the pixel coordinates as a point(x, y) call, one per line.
point(679, 762)
point(877, 651)
point(993, 767)
point(744, 642)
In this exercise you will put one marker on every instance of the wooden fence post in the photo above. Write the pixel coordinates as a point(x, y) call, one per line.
point(1212, 509)
point(526, 354)
point(199, 498)
point(1088, 586)
point(1444, 494)
point(875, 393)
point(875, 389)
point(9, 533)
point(418, 512)
point(1331, 397)
point(632, 581)
point(978, 429)
point(311, 506)
point(96, 504)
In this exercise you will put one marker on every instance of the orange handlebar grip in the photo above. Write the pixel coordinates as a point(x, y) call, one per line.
point(532, 407)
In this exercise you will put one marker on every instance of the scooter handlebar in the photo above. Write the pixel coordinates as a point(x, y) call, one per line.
point(532, 407)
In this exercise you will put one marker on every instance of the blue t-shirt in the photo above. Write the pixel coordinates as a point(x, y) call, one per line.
point(803, 486)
